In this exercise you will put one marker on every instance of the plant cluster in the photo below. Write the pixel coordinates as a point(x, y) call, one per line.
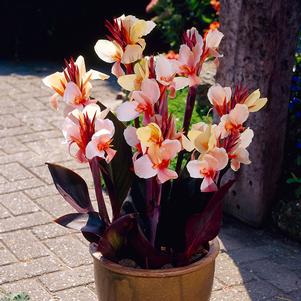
point(160, 215)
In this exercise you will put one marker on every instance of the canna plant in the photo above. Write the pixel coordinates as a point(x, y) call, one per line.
point(160, 215)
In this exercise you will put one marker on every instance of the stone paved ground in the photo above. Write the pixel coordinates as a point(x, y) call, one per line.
point(52, 263)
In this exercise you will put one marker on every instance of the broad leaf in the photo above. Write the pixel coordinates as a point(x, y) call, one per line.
point(90, 224)
point(203, 227)
point(118, 174)
point(185, 199)
point(72, 187)
point(124, 239)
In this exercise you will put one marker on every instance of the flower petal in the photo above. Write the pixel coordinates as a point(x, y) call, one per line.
point(117, 70)
point(127, 111)
point(239, 114)
point(72, 92)
point(194, 169)
point(246, 137)
point(181, 82)
point(132, 53)
point(151, 88)
point(93, 151)
point(130, 136)
point(144, 167)
point(127, 82)
point(107, 51)
point(166, 174)
point(208, 185)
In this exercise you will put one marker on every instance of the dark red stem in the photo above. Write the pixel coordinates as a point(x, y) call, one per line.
point(190, 102)
point(94, 166)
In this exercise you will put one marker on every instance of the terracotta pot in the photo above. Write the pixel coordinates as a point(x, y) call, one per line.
point(190, 283)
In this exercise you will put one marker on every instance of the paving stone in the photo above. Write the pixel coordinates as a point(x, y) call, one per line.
point(24, 245)
point(9, 121)
point(50, 231)
point(11, 145)
point(18, 203)
point(43, 173)
point(236, 293)
point(55, 205)
point(41, 191)
point(40, 135)
point(72, 251)
point(32, 287)
point(280, 277)
point(48, 146)
point(24, 221)
point(4, 213)
point(229, 273)
point(20, 185)
point(14, 131)
point(14, 172)
point(248, 254)
point(217, 285)
point(2, 180)
point(69, 278)
point(296, 295)
point(77, 294)
point(22, 270)
point(6, 257)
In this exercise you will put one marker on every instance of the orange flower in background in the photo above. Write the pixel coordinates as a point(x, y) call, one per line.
point(216, 5)
point(214, 25)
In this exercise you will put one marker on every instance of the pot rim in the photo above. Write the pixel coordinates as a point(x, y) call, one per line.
point(117, 268)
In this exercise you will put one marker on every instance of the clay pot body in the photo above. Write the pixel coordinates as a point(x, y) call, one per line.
point(190, 283)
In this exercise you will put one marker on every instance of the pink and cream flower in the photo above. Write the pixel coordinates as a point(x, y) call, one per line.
point(219, 97)
point(233, 122)
point(166, 71)
point(89, 133)
point(73, 84)
point(212, 41)
point(143, 102)
point(157, 160)
point(125, 44)
point(208, 168)
point(238, 154)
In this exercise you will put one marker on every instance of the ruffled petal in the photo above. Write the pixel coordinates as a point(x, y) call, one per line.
point(127, 111)
point(130, 136)
point(194, 169)
point(208, 185)
point(166, 174)
point(144, 167)
point(131, 54)
point(107, 51)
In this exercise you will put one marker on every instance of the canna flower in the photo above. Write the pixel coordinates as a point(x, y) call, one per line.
point(73, 84)
point(190, 56)
point(254, 102)
point(143, 102)
point(131, 82)
point(166, 75)
point(80, 127)
point(203, 137)
point(219, 97)
point(208, 167)
point(100, 144)
point(126, 43)
point(149, 136)
point(239, 154)
point(157, 160)
point(233, 122)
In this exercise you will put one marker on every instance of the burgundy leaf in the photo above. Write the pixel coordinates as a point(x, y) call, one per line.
point(72, 187)
point(124, 239)
point(203, 227)
point(90, 224)
point(118, 174)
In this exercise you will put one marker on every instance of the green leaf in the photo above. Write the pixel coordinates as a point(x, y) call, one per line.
point(117, 175)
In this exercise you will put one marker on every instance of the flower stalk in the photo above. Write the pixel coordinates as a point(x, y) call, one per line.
point(94, 166)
